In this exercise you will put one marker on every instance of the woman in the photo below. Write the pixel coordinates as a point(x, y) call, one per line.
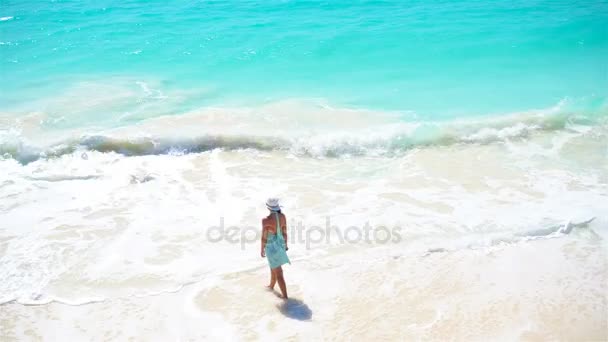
point(274, 244)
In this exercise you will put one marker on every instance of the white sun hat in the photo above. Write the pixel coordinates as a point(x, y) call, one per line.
point(273, 204)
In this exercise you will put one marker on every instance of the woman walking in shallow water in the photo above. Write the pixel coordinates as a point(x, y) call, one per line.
point(274, 244)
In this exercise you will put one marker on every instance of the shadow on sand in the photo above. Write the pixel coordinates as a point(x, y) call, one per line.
point(295, 309)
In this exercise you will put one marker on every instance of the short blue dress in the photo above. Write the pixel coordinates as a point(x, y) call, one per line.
point(275, 247)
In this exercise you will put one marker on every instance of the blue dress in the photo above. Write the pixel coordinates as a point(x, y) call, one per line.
point(275, 247)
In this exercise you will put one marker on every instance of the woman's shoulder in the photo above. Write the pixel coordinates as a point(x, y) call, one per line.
point(270, 218)
point(283, 219)
point(267, 220)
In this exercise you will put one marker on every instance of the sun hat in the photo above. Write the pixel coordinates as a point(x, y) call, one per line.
point(273, 204)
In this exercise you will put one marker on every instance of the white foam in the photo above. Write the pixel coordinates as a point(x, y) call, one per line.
point(89, 228)
point(92, 231)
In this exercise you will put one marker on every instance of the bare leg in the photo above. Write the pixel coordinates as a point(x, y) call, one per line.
point(281, 280)
point(273, 279)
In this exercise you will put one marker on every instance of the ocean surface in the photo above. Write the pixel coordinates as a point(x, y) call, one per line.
point(475, 131)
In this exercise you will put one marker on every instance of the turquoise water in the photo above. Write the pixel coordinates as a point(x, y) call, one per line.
point(115, 63)
point(430, 57)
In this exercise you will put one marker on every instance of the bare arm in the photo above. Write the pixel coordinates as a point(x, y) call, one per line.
point(263, 242)
point(284, 230)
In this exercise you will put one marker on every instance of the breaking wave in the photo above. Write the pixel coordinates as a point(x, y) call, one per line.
point(375, 139)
